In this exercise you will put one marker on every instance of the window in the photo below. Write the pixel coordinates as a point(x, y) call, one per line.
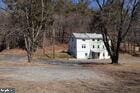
point(83, 46)
point(93, 46)
point(85, 54)
point(93, 39)
point(98, 46)
point(83, 39)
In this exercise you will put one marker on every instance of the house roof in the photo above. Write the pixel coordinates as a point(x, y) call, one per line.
point(87, 35)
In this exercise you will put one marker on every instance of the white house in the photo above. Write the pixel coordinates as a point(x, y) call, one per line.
point(87, 46)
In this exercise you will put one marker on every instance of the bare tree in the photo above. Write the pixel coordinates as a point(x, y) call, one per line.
point(32, 16)
point(114, 20)
point(7, 31)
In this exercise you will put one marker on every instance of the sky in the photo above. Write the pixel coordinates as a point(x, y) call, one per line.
point(92, 5)
point(1, 4)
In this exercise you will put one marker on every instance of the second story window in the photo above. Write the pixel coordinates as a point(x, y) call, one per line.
point(83, 39)
point(83, 46)
point(98, 46)
point(93, 46)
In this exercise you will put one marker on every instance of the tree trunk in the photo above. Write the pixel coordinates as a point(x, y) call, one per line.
point(53, 44)
point(114, 59)
point(128, 48)
point(134, 53)
point(43, 43)
point(28, 48)
point(7, 44)
point(29, 57)
point(125, 49)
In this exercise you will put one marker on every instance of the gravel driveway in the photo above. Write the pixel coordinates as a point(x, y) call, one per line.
point(55, 73)
point(65, 77)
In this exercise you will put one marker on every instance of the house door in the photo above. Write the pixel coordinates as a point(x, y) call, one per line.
point(95, 55)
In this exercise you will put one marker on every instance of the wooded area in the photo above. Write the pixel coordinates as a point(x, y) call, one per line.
point(29, 24)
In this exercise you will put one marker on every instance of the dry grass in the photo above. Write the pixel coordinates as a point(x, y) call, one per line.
point(49, 55)
point(23, 64)
point(126, 76)
point(14, 52)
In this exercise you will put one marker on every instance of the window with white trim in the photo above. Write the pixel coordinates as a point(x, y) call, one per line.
point(93, 46)
point(83, 39)
point(98, 46)
point(83, 45)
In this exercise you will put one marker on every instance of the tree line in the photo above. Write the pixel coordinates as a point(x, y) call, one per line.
point(29, 23)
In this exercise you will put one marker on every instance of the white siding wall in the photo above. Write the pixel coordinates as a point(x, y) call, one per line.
point(83, 53)
point(82, 49)
point(98, 46)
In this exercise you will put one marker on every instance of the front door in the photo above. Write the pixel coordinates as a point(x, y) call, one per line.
point(95, 55)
